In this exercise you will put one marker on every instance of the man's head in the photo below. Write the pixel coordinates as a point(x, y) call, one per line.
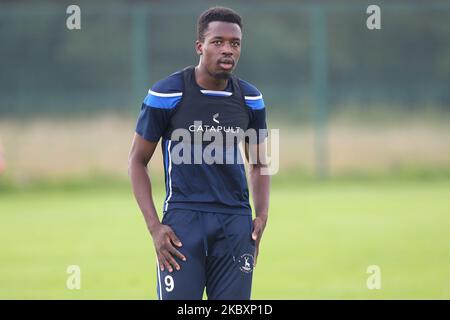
point(219, 35)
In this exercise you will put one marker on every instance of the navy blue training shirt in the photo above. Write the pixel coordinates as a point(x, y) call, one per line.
point(178, 102)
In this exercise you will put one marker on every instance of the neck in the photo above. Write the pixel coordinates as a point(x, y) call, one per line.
point(205, 80)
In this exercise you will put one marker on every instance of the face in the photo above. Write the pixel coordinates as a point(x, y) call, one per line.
point(220, 51)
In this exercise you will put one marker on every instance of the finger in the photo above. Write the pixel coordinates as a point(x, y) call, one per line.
point(166, 262)
point(256, 256)
point(173, 237)
point(256, 230)
point(177, 253)
point(161, 262)
point(254, 235)
point(170, 262)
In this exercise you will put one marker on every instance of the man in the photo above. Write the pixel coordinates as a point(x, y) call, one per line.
point(206, 237)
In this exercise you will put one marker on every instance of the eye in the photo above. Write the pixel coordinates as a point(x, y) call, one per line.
point(217, 42)
point(235, 44)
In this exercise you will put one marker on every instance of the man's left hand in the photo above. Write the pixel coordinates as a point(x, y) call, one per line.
point(259, 224)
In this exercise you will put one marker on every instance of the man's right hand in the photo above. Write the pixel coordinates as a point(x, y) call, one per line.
point(164, 239)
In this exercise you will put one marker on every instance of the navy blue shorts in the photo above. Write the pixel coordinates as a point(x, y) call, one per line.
point(219, 253)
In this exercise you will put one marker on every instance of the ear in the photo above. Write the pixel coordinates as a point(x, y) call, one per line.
point(199, 47)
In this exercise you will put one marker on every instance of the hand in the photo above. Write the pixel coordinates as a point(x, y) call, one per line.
point(259, 224)
point(164, 239)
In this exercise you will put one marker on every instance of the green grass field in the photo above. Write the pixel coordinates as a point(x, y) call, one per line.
point(320, 239)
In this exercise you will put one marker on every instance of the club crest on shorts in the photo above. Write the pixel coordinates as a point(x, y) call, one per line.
point(246, 263)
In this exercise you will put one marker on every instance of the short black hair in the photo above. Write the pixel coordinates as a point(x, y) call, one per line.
point(216, 14)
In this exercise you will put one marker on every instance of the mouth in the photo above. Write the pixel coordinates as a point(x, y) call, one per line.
point(226, 64)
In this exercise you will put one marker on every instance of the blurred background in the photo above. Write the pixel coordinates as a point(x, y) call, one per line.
point(364, 144)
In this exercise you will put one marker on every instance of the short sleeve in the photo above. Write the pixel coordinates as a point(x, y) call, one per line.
point(255, 102)
point(152, 122)
point(158, 106)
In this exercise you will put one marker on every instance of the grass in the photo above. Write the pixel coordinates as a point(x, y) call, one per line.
point(320, 239)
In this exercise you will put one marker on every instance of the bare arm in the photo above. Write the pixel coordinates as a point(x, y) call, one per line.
point(260, 188)
point(140, 155)
point(163, 236)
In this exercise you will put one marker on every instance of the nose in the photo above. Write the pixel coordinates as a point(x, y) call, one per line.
point(226, 48)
